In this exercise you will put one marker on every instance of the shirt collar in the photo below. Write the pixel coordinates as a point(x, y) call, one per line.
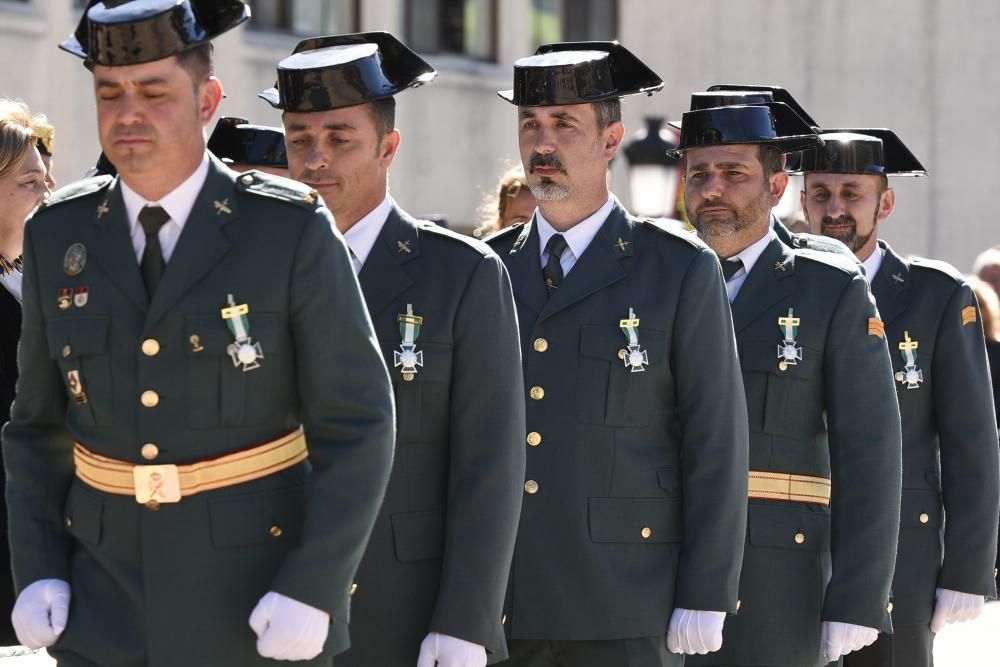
point(874, 262)
point(752, 253)
point(178, 203)
point(579, 236)
point(361, 236)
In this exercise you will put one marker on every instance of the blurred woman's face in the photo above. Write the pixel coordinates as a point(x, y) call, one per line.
point(519, 208)
point(22, 189)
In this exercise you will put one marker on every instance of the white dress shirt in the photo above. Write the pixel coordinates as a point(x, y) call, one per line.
point(578, 237)
point(749, 257)
point(874, 262)
point(178, 204)
point(12, 283)
point(361, 236)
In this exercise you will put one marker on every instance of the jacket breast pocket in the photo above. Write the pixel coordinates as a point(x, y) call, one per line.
point(422, 398)
point(80, 345)
point(418, 536)
point(635, 520)
point(219, 391)
point(608, 391)
point(778, 397)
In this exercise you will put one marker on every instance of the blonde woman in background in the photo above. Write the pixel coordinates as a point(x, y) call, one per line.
point(511, 204)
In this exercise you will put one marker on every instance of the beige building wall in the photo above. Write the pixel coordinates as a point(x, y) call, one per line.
point(922, 67)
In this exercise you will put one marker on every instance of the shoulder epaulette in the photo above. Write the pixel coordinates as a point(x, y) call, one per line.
point(836, 260)
point(277, 187)
point(76, 190)
point(937, 266)
point(804, 241)
point(676, 229)
point(513, 230)
point(445, 233)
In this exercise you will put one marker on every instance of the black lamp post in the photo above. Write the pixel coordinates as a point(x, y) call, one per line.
point(654, 178)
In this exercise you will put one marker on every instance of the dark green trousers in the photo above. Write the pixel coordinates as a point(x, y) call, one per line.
point(639, 652)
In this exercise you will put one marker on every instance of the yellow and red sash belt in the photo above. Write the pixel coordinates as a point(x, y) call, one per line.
point(169, 483)
point(782, 486)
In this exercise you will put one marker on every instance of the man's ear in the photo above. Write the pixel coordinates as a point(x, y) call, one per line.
point(613, 136)
point(887, 202)
point(211, 94)
point(390, 144)
point(777, 184)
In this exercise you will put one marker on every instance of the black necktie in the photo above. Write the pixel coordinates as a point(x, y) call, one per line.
point(152, 218)
point(553, 272)
point(730, 267)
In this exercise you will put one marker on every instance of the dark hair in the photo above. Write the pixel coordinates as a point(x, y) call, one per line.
point(883, 184)
point(771, 159)
point(198, 62)
point(384, 115)
point(608, 112)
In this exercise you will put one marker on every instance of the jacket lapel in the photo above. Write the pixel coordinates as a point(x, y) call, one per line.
point(766, 284)
point(599, 266)
point(383, 276)
point(109, 246)
point(202, 242)
point(891, 286)
point(524, 265)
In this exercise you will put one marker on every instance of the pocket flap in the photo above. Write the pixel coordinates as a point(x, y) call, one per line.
point(628, 520)
point(780, 527)
point(605, 342)
point(259, 517)
point(83, 512)
point(763, 357)
point(73, 337)
point(920, 509)
point(418, 535)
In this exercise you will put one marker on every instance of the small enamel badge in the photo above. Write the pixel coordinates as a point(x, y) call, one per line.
point(65, 299)
point(243, 351)
point(81, 295)
point(75, 259)
point(408, 358)
point(636, 359)
point(910, 376)
point(789, 352)
point(76, 386)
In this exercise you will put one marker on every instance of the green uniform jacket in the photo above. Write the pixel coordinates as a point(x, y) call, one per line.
point(641, 477)
point(168, 587)
point(950, 487)
point(831, 415)
point(440, 553)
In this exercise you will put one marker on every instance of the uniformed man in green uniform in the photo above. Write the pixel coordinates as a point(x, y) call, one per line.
point(948, 522)
point(179, 350)
point(432, 581)
point(824, 426)
point(243, 146)
point(634, 509)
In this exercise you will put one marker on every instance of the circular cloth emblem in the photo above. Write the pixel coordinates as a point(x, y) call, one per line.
point(75, 259)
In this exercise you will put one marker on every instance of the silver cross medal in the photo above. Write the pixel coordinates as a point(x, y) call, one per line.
point(636, 359)
point(243, 350)
point(789, 352)
point(408, 357)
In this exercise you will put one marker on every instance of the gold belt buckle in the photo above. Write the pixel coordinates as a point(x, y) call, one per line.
point(157, 484)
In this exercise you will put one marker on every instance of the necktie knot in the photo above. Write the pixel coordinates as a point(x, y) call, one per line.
point(152, 218)
point(730, 267)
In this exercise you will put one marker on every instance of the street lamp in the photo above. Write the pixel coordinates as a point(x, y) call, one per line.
point(653, 177)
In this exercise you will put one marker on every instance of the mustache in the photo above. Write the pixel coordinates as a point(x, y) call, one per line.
point(538, 160)
point(842, 220)
point(132, 132)
point(310, 176)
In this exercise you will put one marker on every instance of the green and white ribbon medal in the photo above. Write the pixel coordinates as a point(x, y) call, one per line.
point(243, 351)
point(409, 357)
point(911, 376)
point(789, 352)
point(635, 357)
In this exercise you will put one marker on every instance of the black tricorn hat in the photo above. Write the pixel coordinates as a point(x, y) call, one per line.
point(129, 32)
point(772, 123)
point(861, 151)
point(236, 141)
point(579, 73)
point(778, 94)
point(345, 70)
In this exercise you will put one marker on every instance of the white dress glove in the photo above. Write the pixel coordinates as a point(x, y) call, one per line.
point(839, 639)
point(693, 632)
point(447, 651)
point(40, 613)
point(954, 607)
point(288, 629)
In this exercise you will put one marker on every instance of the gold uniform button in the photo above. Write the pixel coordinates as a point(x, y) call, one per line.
point(541, 345)
point(150, 347)
point(531, 487)
point(150, 398)
point(888, 608)
point(69, 522)
point(537, 393)
point(354, 589)
point(739, 603)
point(247, 179)
point(149, 451)
point(153, 505)
point(799, 538)
point(622, 353)
point(67, 350)
point(646, 532)
point(534, 438)
point(924, 518)
point(275, 531)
